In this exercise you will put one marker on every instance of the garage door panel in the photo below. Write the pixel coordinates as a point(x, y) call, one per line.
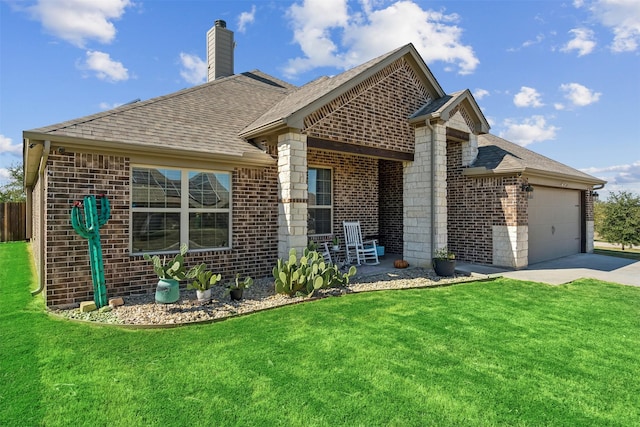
point(554, 224)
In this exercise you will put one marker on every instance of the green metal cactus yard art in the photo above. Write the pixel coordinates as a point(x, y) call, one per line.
point(96, 214)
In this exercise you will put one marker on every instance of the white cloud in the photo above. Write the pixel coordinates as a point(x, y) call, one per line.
point(539, 38)
point(109, 106)
point(194, 69)
point(619, 177)
point(330, 33)
point(527, 97)
point(78, 21)
point(246, 18)
point(105, 67)
point(622, 16)
point(480, 93)
point(582, 41)
point(4, 175)
point(8, 147)
point(530, 130)
point(579, 95)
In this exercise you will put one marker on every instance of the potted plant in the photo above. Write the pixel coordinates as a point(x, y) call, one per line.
point(169, 272)
point(236, 290)
point(203, 280)
point(444, 262)
point(336, 243)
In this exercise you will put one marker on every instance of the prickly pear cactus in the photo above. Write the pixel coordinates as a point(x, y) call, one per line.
point(307, 275)
point(96, 214)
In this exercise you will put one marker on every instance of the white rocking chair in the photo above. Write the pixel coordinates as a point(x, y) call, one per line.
point(357, 250)
point(326, 254)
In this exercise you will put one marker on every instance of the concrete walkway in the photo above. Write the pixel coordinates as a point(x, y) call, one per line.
point(567, 269)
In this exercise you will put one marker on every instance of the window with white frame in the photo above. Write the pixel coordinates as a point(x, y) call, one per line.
point(174, 206)
point(320, 201)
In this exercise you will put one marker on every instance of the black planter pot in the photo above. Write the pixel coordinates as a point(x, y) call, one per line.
point(236, 294)
point(444, 267)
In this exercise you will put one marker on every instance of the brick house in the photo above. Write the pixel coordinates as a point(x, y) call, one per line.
point(246, 166)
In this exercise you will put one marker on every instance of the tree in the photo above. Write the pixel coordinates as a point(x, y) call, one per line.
point(13, 191)
point(598, 217)
point(621, 222)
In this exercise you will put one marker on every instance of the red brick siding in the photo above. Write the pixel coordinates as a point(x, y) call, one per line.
point(475, 205)
point(355, 189)
point(374, 113)
point(74, 175)
point(588, 205)
point(390, 211)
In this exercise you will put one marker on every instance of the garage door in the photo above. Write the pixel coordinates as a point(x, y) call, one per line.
point(554, 224)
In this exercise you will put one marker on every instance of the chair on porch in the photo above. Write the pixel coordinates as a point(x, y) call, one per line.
point(326, 254)
point(357, 250)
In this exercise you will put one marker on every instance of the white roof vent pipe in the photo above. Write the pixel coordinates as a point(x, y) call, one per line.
point(220, 47)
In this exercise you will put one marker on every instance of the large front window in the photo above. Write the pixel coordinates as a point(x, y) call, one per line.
point(172, 206)
point(320, 204)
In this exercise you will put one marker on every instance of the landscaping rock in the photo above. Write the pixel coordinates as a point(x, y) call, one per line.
point(87, 306)
point(116, 302)
point(143, 310)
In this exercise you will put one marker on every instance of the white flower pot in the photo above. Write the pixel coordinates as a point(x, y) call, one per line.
point(203, 295)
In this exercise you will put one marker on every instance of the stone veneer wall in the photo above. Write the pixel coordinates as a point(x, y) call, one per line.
point(390, 209)
point(71, 176)
point(481, 209)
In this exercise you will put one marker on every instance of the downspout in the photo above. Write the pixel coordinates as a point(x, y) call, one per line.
point(43, 165)
point(433, 192)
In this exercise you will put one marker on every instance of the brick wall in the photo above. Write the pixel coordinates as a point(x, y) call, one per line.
point(588, 204)
point(390, 209)
point(71, 176)
point(355, 191)
point(373, 113)
point(475, 205)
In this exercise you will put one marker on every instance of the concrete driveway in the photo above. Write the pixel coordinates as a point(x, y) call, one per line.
point(567, 269)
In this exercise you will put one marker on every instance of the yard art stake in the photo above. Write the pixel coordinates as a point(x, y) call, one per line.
point(94, 218)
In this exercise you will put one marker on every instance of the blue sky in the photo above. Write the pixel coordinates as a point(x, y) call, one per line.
point(559, 77)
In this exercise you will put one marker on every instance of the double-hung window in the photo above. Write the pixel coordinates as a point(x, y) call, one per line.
point(170, 207)
point(320, 201)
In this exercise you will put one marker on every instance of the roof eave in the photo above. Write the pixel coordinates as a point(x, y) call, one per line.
point(246, 159)
point(265, 129)
point(483, 171)
point(444, 112)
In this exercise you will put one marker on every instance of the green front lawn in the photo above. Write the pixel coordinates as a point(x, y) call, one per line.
point(486, 353)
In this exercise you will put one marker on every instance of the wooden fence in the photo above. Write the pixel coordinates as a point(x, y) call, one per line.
point(13, 221)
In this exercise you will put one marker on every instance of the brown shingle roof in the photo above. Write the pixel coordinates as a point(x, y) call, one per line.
point(498, 155)
point(206, 118)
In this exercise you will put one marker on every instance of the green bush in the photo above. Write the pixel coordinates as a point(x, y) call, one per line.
point(308, 274)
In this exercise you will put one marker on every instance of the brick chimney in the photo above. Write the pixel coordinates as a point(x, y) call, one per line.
point(220, 46)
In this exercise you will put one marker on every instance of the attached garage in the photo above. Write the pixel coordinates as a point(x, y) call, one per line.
point(555, 220)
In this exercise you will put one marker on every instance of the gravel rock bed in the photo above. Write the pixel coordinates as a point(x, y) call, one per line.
point(142, 310)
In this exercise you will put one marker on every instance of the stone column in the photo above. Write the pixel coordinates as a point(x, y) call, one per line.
point(419, 182)
point(440, 186)
point(293, 193)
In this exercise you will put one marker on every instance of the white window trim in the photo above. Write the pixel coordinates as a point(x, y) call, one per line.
point(309, 206)
point(184, 213)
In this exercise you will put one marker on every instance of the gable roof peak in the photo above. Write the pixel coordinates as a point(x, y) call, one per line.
point(290, 112)
point(446, 106)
